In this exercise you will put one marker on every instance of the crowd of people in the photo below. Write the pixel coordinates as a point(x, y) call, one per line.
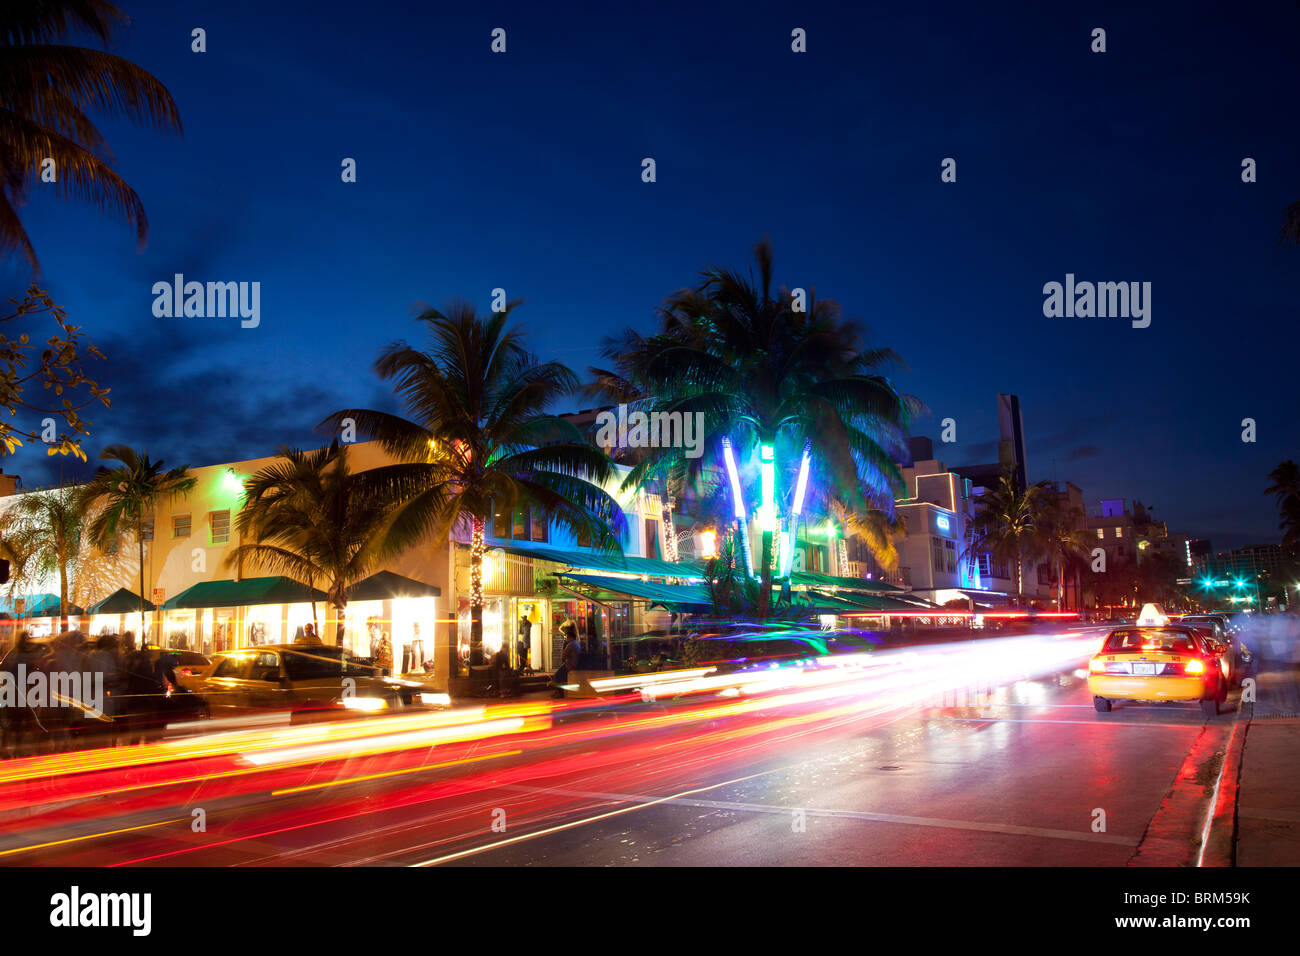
point(140, 692)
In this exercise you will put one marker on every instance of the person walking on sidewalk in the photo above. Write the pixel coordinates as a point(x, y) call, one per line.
point(571, 653)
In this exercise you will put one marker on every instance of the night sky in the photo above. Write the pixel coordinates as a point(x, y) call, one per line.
point(523, 170)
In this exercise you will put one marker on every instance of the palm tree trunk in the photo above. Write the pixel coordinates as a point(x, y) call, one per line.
point(139, 540)
point(63, 596)
point(765, 578)
point(476, 591)
point(339, 608)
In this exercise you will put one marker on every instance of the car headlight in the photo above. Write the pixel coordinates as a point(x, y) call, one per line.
point(368, 704)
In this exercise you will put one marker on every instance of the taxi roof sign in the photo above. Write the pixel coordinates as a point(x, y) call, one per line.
point(1153, 615)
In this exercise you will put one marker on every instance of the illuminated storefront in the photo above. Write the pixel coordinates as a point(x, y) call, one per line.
point(392, 620)
point(512, 619)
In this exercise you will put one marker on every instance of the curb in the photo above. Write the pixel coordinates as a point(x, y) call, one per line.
point(1219, 847)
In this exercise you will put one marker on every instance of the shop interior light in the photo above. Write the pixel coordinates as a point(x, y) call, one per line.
point(708, 544)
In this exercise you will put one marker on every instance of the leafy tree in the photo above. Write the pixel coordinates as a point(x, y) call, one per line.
point(767, 369)
point(1007, 524)
point(122, 499)
point(481, 439)
point(47, 87)
point(59, 371)
point(1286, 488)
point(312, 518)
point(1063, 538)
point(47, 534)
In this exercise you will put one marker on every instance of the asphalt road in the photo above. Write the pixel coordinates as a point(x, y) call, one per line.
point(1023, 774)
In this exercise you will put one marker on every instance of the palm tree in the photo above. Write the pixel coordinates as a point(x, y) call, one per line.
point(123, 498)
point(47, 86)
point(1286, 487)
point(312, 518)
point(1063, 537)
point(47, 536)
point(776, 379)
point(481, 440)
point(1290, 231)
point(1006, 525)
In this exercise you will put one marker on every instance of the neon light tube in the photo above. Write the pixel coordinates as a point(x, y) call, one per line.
point(738, 501)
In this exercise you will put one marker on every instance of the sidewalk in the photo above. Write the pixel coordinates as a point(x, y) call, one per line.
point(1268, 793)
point(1268, 799)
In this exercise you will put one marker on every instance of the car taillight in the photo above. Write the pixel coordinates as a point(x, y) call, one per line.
point(1096, 665)
point(1195, 666)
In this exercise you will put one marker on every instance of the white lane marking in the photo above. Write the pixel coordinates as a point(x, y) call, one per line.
point(939, 822)
point(578, 823)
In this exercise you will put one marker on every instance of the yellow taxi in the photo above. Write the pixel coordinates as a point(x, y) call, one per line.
point(1159, 663)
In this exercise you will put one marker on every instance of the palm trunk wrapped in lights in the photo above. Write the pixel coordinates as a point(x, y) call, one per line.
point(476, 591)
point(670, 537)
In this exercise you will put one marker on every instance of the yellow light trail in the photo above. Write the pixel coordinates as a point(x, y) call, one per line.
point(91, 836)
point(394, 773)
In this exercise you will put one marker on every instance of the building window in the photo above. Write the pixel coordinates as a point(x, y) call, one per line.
point(1101, 533)
point(950, 555)
point(982, 562)
point(219, 527)
point(500, 523)
point(936, 553)
point(146, 529)
point(1119, 532)
point(519, 526)
point(651, 538)
point(541, 527)
point(180, 526)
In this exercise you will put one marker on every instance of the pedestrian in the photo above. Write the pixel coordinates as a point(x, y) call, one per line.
point(570, 657)
point(308, 635)
point(19, 728)
point(501, 672)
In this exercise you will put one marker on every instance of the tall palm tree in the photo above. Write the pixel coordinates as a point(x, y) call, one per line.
point(122, 499)
point(769, 374)
point(1286, 488)
point(1006, 525)
point(311, 517)
point(1063, 537)
point(47, 87)
point(1289, 234)
point(48, 535)
point(480, 440)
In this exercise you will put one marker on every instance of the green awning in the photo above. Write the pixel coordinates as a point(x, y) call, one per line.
point(825, 603)
point(588, 560)
point(120, 601)
point(40, 605)
point(245, 593)
point(813, 579)
point(385, 585)
point(857, 603)
point(677, 594)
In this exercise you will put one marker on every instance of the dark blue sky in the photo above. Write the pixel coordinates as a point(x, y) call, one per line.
point(522, 171)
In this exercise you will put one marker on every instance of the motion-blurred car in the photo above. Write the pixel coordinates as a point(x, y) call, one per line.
point(739, 651)
point(1218, 628)
point(188, 666)
point(310, 681)
point(1159, 664)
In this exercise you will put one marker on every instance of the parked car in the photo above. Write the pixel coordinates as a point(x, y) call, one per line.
point(310, 681)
